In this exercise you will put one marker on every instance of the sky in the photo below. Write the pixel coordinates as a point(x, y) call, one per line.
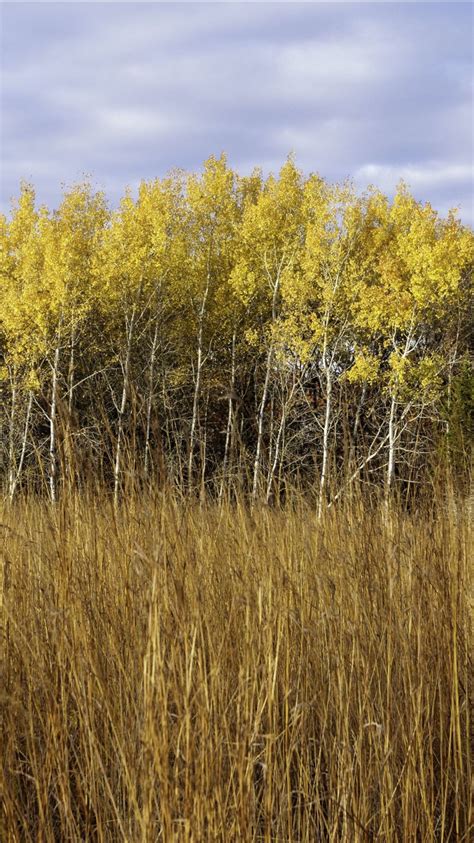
point(127, 91)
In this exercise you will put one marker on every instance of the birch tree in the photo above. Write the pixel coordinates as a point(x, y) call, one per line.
point(233, 329)
point(317, 299)
point(271, 241)
point(416, 269)
point(23, 321)
point(212, 230)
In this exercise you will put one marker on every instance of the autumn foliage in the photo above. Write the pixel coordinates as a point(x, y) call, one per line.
point(224, 333)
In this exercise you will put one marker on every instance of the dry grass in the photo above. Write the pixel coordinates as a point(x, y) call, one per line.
point(185, 672)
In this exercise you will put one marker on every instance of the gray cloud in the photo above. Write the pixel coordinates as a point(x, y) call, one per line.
point(127, 91)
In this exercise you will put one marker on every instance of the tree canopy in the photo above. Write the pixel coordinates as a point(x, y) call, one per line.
point(224, 332)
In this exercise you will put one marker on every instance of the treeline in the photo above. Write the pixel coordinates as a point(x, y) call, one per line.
point(228, 333)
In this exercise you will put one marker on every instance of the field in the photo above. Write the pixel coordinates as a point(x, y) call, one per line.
point(236, 423)
point(184, 671)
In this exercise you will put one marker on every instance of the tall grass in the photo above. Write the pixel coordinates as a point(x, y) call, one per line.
point(193, 672)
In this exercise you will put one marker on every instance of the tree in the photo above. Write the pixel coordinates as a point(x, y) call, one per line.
point(317, 298)
point(405, 289)
point(271, 240)
point(211, 230)
point(23, 323)
point(226, 327)
point(134, 271)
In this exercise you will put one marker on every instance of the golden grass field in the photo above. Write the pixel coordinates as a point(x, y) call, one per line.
point(184, 671)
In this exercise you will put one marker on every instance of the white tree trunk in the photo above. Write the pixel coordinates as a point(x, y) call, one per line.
point(123, 404)
point(326, 429)
point(204, 450)
point(150, 400)
point(230, 420)
point(15, 477)
point(71, 369)
point(11, 443)
point(266, 385)
point(261, 415)
point(276, 455)
point(355, 427)
point(25, 436)
point(392, 437)
point(278, 442)
point(197, 385)
point(52, 428)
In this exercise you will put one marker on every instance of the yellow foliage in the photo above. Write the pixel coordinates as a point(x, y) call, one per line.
point(365, 368)
point(296, 262)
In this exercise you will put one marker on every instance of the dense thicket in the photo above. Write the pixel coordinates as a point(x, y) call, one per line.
point(224, 332)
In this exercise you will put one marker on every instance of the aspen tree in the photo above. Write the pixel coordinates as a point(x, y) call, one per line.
point(121, 266)
point(162, 215)
point(71, 238)
point(212, 227)
point(135, 267)
point(317, 301)
point(235, 312)
point(416, 270)
point(23, 317)
point(271, 241)
point(227, 327)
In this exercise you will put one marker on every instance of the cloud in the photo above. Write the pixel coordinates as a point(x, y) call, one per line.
point(450, 183)
point(128, 91)
point(430, 175)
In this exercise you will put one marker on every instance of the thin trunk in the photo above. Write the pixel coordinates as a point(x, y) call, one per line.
point(197, 390)
point(276, 455)
point(15, 476)
point(449, 460)
point(197, 386)
point(279, 438)
point(70, 392)
point(261, 414)
point(52, 428)
point(263, 402)
point(25, 437)
point(230, 419)
point(11, 443)
point(150, 399)
point(327, 424)
point(70, 377)
point(328, 362)
point(204, 450)
point(271, 420)
point(123, 404)
point(355, 428)
point(392, 421)
point(392, 436)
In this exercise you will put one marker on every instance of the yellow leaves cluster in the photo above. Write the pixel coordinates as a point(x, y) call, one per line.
point(413, 263)
point(365, 368)
point(32, 380)
point(244, 282)
point(410, 377)
point(28, 379)
point(252, 337)
point(295, 262)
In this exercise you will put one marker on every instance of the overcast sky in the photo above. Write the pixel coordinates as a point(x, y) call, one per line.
point(125, 91)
